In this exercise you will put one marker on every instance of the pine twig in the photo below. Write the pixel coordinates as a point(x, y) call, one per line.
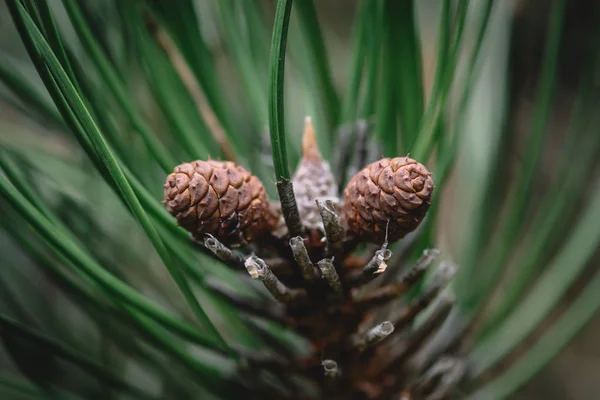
point(426, 259)
point(444, 273)
point(309, 272)
point(257, 268)
point(264, 359)
point(330, 275)
point(330, 369)
point(402, 346)
point(378, 333)
point(433, 348)
point(374, 335)
point(289, 207)
point(431, 323)
point(396, 289)
point(334, 232)
point(421, 265)
point(441, 379)
point(374, 267)
point(224, 253)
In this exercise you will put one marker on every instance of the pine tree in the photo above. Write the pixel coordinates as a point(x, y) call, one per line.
point(420, 248)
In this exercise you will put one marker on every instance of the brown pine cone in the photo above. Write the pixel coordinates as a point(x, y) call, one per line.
point(220, 198)
point(396, 190)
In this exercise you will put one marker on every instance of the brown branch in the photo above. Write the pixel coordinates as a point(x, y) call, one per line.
point(374, 267)
point(332, 223)
point(222, 252)
point(403, 344)
point(373, 335)
point(421, 338)
point(440, 281)
point(441, 379)
point(397, 289)
point(257, 268)
point(309, 272)
point(289, 207)
point(330, 275)
point(330, 369)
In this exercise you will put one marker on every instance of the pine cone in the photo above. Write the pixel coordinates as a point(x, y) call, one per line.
point(396, 190)
point(312, 181)
point(220, 198)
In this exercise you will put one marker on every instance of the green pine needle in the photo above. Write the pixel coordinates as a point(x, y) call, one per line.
point(276, 89)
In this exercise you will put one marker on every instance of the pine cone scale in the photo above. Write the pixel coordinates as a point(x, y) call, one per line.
point(219, 181)
point(180, 201)
point(188, 219)
point(228, 203)
point(181, 180)
point(211, 224)
point(389, 205)
point(208, 204)
point(187, 169)
point(204, 169)
point(386, 180)
point(244, 196)
point(235, 177)
point(372, 195)
point(377, 168)
point(198, 186)
point(361, 181)
point(256, 187)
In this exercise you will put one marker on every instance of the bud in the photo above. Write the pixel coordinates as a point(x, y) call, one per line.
point(392, 194)
point(313, 180)
point(218, 198)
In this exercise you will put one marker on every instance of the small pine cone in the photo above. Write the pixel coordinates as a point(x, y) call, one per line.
point(396, 190)
point(219, 198)
point(313, 180)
